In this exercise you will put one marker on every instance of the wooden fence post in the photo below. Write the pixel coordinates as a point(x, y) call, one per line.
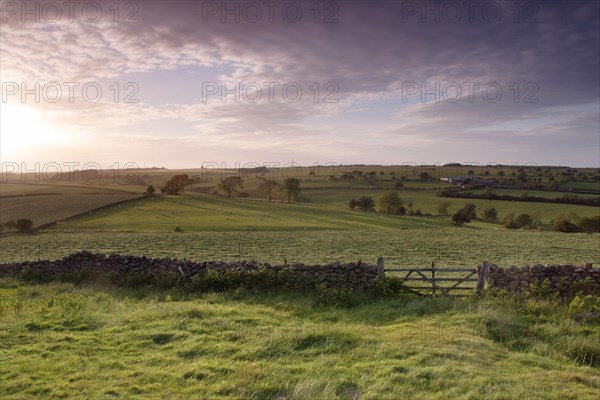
point(433, 275)
point(380, 270)
point(481, 276)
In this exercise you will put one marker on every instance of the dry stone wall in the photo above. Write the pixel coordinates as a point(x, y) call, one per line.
point(355, 276)
point(564, 279)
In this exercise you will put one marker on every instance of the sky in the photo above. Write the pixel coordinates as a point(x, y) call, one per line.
point(180, 83)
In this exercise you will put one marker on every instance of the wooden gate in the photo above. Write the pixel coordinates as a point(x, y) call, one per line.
point(440, 281)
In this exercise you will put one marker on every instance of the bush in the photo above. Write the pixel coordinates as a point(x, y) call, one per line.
point(590, 224)
point(178, 229)
point(490, 214)
point(585, 307)
point(565, 226)
point(24, 225)
point(20, 225)
point(509, 222)
point(524, 221)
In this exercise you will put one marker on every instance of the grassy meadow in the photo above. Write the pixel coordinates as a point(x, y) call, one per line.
point(102, 342)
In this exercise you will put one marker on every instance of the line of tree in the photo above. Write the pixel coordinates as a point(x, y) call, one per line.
point(489, 195)
point(388, 203)
point(291, 187)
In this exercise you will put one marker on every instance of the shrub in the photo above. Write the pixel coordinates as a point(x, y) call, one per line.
point(565, 225)
point(509, 222)
point(24, 225)
point(590, 224)
point(585, 306)
point(524, 221)
point(178, 229)
point(490, 214)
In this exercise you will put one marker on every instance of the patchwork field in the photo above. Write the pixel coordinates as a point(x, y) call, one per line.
point(100, 341)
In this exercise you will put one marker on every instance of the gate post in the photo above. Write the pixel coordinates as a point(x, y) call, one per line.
point(380, 270)
point(481, 276)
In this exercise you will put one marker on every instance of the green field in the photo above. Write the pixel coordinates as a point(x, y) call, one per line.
point(98, 341)
point(47, 203)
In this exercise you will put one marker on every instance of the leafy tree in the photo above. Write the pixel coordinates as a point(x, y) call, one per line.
point(177, 184)
point(366, 203)
point(424, 176)
point(524, 220)
point(398, 185)
point(389, 202)
point(490, 214)
point(150, 190)
point(464, 215)
point(291, 186)
point(442, 208)
point(231, 185)
point(352, 204)
point(469, 210)
point(459, 218)
point(268, 186)
point(488, 191)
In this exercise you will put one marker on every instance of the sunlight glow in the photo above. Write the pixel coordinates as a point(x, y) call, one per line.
point(23, 128)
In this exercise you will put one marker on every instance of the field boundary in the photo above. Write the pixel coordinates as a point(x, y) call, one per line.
point(84, 213)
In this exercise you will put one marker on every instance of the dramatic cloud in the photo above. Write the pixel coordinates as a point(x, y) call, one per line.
point(370, 60)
